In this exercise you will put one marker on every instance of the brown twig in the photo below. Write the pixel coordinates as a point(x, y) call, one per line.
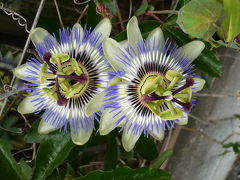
point(58, 13)
point(120, 17)
point(82, 14)
point(147, 13)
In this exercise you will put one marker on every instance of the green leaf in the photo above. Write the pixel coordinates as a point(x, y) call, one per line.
point(171, 19)
point(141, 10)
point(181, 3)
point(162, 158)
point(126, 173)
point(207, 62)
point(9, 169)
point(93, 17)
point(34, 137)
point(112, 153)
point(26, 169)
point(146, 27)
point(111, 5)
point(231, 25)
point(51, 153)
point(226, 44)
point(146, 148)
point(201, 19)
point(234, 146)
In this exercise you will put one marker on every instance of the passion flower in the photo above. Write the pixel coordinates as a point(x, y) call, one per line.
point(157, 85)
point(68, 74)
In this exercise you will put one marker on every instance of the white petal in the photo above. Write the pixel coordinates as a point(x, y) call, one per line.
point(111, 49)
point(95, 104)
point(157, 135)
point(114, 81)
point(9, 55)
point(22, 72)
point(38, 35)
point(198, 84)
point(129, 140)
point(82, 136)
point(133, 32)
point(183, 120)
point(77, 33)
point(155, 36)
point(192, 49)
point(104, 27)
point(26, 106)
point(45, 127)
point(124, 44)
point(108, 119)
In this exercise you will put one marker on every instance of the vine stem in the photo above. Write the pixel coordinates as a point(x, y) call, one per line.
point(40, 7)
point(164, 12)
point(58, 12)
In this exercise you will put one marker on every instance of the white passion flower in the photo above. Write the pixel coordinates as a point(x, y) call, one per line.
point(157, 85)
point(68, 74)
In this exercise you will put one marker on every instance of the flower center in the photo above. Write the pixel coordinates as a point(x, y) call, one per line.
point(156, 91)
point(65, 77)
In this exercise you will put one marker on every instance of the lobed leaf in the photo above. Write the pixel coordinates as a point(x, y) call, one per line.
point(201, 19)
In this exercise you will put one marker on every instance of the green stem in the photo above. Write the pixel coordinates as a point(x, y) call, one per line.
point(161, 159)
point(164, 12)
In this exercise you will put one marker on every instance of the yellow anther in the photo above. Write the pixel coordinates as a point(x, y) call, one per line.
point(60, 57)
point(174, 77)
point(76, 67)
point(151, 84)
point(76, 88)
point(167, 115)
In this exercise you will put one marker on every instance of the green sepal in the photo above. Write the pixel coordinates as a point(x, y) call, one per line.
point(62, 57)
point(167, 115)
point(50, 93)
point(76, 67)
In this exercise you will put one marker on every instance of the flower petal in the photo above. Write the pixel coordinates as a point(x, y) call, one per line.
point(38, 35)
point(198, 84)
point(129, 139)
point(183, 120)
point(108, 120)
point(45, 127)
point(82, 136)
point(27, 106)
point(104, 27)
point(154, 37)
point(111, 48)
point(159, 135)
point(192, 49)
point(77, 34)
point(133, 32)
point(124, 44)
point(95, 104)
point(23, 71)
